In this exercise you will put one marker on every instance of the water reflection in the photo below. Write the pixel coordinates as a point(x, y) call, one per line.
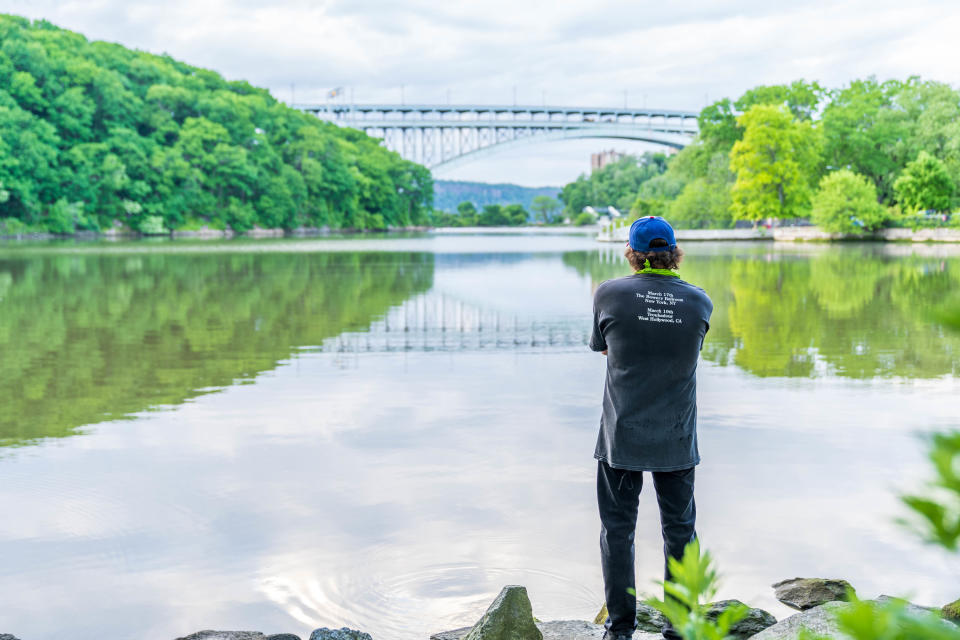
point(860, 311)
point(400, 432)
point(87, 338)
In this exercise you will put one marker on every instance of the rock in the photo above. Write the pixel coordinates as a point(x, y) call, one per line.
point(7, 636)
point(806, 593)
point(339, 634)
point(601, 617)
point(510, 617)
point(225, 635)
point(820, 621)
point(753, 623)
point(951, 612)
point(649, 619)
point(557, 630)
point(570, 630)
point(283, 636)
point(454, 634)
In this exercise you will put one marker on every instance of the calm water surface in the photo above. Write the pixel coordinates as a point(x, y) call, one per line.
point(382, 432)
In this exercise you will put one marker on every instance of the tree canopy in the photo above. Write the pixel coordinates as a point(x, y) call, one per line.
point(93, 135)
point(775, 162)
point(762, 154)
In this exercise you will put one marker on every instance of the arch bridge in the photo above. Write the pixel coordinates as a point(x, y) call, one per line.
point(446, 135)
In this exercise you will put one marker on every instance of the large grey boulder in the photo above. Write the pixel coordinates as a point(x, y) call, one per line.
point(509, 617)
point(7, 636)
point(751, 624)
point(820, 621)
point(806, 593)
point(225, 635)
point(283, 636)
point(339, 634)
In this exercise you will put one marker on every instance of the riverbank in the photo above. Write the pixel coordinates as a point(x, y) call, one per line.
point(207, 233)
point(796, 234)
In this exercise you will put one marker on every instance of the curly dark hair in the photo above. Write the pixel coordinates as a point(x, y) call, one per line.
point(658, 259)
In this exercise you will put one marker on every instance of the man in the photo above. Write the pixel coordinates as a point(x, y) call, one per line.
point(651, 326)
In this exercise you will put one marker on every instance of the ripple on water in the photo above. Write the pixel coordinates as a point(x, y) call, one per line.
point(415, 603)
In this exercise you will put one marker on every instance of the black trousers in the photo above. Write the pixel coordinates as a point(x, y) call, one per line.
point(618, 494)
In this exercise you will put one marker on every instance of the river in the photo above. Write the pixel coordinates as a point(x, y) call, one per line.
point(381, 432)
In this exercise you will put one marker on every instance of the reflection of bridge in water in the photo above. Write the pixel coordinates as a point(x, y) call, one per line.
point(436, 322)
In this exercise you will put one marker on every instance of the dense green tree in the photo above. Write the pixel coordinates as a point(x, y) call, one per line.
point(869, 127)
point(862, 128)
point(800, 98)
point(925, 185)
point(775, 163)
point(616, 184)
point(516, 214)
point(493, 215)
point(93, 134)
point(546, 209)
point(847, 203)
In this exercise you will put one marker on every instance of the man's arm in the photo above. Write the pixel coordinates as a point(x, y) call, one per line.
point(597, 341)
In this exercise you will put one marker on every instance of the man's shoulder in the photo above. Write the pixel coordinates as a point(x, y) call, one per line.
point(612, 285)
point(697, 292)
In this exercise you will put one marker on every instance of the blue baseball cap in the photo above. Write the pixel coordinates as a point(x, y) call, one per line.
point(645, 230)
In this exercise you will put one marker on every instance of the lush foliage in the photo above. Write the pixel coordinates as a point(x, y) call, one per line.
point(615, 185)
point(924, 184)
point(847, 203)
point(93, 134)
point(762, 154)
point(939, 511)
point(775, 162)
point(693, 585)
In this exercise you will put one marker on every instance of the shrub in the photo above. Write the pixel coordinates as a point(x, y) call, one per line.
point(924, 185)
point(847, 203)
point(584, 218)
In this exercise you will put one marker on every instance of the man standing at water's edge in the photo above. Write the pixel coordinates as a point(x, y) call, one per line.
point(651, 326)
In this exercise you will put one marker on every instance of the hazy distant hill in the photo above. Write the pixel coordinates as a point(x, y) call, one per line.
point(449, 193)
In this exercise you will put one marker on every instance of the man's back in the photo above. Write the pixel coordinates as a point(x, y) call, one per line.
point(652, 327)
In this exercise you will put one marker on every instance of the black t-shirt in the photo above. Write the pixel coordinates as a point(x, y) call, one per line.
point(653, 327)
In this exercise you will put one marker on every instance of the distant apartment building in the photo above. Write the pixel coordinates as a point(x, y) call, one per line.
point(602, 159)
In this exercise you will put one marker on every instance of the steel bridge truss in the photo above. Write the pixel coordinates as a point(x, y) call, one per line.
point(443, 135)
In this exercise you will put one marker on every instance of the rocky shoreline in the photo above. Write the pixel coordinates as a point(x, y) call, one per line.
point(510, 617)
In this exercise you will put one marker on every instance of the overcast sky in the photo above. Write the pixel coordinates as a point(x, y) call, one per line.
point(588, 53)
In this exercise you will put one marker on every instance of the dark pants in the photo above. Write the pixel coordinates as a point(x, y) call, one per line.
point(618, 494)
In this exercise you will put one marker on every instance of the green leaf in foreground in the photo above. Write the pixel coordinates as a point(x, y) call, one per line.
point(694, 584)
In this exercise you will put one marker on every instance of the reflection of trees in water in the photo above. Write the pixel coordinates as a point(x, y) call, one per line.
point(88, 338)
point(858, 312)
